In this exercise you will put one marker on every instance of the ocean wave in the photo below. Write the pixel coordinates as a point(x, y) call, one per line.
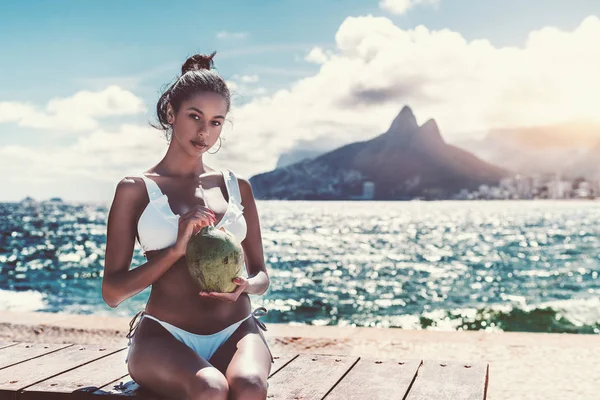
point(564, 316)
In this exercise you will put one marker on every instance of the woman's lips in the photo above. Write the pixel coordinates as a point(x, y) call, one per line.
point(198, 145)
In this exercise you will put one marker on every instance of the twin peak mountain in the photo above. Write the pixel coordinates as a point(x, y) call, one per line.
point(406, 162)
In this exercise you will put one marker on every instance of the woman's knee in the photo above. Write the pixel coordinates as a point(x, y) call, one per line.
point(208, 383)
point(251, 385)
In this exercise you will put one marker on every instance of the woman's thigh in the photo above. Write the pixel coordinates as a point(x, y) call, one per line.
point(244, 350)
point(161, 363)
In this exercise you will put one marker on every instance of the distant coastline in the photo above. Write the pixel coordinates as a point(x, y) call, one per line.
point(411, 161)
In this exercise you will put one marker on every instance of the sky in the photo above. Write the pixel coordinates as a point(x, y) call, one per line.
point(79, 80)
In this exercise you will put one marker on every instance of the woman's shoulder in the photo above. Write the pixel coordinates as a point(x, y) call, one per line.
point(130, 187)
point(128, 201)
point(130, 183)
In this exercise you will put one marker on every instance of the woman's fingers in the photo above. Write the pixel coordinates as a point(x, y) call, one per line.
point(198, 215)
point(196, 218)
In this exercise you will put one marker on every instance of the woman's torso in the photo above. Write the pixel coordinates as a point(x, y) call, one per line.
point(174, 297)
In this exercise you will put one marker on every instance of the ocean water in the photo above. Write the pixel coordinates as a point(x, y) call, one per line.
point(502, 265)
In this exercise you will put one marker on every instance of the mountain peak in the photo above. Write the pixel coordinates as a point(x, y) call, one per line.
point(431, 131)
point(405, 121)
point(406, 111)
point(406, 162)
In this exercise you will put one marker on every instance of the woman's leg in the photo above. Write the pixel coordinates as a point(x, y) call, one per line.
point(245, 360)
point(161, 363)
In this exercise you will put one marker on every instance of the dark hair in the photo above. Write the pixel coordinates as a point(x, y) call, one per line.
point(196, 76)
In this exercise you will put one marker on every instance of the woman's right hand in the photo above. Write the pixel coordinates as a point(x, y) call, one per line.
point(190, 223)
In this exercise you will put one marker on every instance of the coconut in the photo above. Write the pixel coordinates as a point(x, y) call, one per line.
point(214, 258)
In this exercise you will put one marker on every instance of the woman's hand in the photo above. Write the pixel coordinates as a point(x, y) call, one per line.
point(229, 297)
point(190, 224)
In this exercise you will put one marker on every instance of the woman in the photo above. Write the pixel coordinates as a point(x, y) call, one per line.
point(188, 345)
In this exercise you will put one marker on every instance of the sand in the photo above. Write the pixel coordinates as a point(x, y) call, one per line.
point(522, 365)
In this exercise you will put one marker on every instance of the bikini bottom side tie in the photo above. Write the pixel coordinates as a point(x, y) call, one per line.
point(133, 325)
point(259, 312)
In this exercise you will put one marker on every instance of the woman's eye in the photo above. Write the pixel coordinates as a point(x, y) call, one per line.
point(197, 118)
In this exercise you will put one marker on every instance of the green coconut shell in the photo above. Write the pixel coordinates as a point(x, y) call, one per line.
point(214, 258)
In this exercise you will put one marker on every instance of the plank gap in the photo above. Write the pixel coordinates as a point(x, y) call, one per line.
point(284, 365)
point(41, 355)
point(413, 381)
point(342, 377)
point(487, 376)
point(5, 345)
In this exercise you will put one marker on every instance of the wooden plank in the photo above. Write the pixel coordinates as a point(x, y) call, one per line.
point(376, 378)
point(26, 351)
point(441, 380)
point(19, 376)
point(7, 344)
point(128, 388)
point(125, 388)
point(280, 362)
point(53, 371)
point(86, 378)
point(309, 376)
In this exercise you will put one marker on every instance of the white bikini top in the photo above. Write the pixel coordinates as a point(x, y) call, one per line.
point(157, 226)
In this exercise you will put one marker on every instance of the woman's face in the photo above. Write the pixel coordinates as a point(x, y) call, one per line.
point(198, 122)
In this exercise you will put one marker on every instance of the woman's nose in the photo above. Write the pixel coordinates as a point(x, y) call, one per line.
point(202, 129)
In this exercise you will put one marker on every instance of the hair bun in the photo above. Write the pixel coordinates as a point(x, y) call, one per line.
point(198, 61)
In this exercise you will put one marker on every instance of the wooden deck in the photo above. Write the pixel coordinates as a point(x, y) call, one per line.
point(61, 371)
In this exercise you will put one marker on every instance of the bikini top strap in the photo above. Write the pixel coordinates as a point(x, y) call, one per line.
point(152, 188)
point(233, 186)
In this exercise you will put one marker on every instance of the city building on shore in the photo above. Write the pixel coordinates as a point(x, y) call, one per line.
point(537, 186)
point(368, 192)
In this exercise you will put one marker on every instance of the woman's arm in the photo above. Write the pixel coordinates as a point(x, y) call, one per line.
point(258, 279)
point(119, 283)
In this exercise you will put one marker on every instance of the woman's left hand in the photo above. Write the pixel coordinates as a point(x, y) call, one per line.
point(232, 296)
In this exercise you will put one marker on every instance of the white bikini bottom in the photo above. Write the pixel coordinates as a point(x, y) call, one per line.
point(204, 345)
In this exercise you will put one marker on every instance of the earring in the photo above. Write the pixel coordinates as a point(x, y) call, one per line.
point(218, 148)
point(169, 134)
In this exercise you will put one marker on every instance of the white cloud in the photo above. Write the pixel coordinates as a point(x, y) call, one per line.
point(101, 155)
point(400, 7)
point(317, 56)
point(375, 69)
point(242, 87)
point(260, 91)
point(467, 86)
point(15, 111)
point(90, 168)
point(246, 78)
point(232, 85)
point(231, 35)
point(86, 170)
point(76, 113)
point(249, 78)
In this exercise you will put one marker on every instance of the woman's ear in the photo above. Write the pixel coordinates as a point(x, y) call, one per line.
point(170, 114)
